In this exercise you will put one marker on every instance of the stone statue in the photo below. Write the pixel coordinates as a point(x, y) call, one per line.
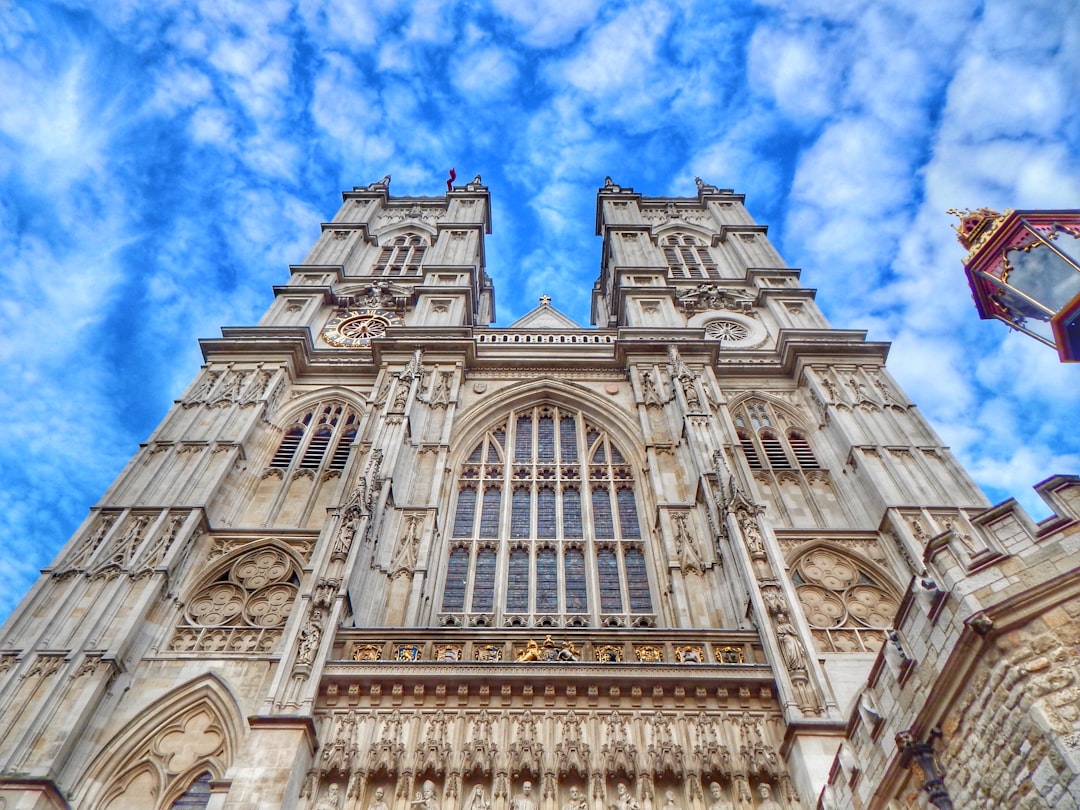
point(718, 800)
point(425, 799)
point(576, 801)
point(310, 637)
point(524, 799)
point(669, 801)
point(790, 646)
point(477, 799)
point(767, 801)
point(378, 802)
point(331, 800)
point(624, 799)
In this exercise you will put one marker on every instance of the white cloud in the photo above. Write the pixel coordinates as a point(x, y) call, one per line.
point(548, 23)
point(340, 24)
point(799, 71)
point(619, 55)
point(485, 73)
point(212, 125)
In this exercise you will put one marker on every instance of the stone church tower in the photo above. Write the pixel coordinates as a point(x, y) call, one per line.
point(384, 556)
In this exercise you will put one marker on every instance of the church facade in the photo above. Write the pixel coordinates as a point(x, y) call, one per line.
point(384, 556)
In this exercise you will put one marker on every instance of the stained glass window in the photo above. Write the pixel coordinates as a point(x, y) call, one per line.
point(197, 796)
point(637, 581)
point(489, 515)
point(577, 600)
point(571, 512)
point(519, 513)
point(607, 568)
point(517, 582)
point(547, 581)
point(601, 509)
point(457, 570)
point(536, 556)
point(545, 512)
point(466, 508)
point(484, 581)
point(628, 522)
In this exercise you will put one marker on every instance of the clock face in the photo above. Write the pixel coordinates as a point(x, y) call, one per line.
point(356, 327)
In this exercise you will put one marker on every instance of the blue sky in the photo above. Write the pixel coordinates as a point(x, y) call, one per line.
point(162, 163)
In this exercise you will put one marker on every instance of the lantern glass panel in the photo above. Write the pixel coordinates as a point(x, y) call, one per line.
point(1043, 275)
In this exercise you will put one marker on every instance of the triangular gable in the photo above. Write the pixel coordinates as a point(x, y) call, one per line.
point(544, 316)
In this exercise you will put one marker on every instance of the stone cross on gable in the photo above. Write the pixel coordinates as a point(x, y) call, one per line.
point(545, 300)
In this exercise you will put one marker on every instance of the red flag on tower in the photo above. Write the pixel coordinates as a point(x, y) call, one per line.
point(450, 182)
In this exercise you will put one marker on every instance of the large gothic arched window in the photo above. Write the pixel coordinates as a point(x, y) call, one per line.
point(545, 528)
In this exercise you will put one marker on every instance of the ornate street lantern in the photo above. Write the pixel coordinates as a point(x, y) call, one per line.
point(1024, 269)
point(920, 758)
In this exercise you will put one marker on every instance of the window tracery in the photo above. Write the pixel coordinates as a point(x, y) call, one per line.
point(687, 257)
point(243, 608)
point(766, 445)
point(323, 435)
point(847, 606)
point(402, 257)
point(565, 538)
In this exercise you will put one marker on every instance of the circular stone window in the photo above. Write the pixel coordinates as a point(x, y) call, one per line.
point(735, 332)
point(727, 331)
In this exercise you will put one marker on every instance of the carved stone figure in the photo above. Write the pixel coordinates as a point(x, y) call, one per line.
point(310, 637)
point(331, 800)
point(576, 800)
point(477, 799)
point(718, 800)
point(524, 799)
point(790, 646)
point(693, 401)
point(401, 396)
point(624, 799)
point(669, 801)
point(378, 803)
point(686, 547)
point(425, 799)
point(767, 801)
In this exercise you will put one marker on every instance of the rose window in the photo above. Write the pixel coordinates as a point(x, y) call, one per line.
point(727, 331)
point(846, 608)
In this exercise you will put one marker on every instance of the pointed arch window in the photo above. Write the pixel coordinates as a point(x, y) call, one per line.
point(688, 257)
point(322, 436)
point(548, 552)
point(402, 257)
point(765, 446)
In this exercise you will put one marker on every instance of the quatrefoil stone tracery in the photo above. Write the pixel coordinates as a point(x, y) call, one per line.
point(835, 594)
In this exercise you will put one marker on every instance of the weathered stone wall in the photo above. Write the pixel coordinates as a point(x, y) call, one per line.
point(987, 649)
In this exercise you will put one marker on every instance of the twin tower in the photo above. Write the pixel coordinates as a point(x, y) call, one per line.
point(382, 555)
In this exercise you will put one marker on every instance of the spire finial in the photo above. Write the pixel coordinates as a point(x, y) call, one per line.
point(545, 300)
